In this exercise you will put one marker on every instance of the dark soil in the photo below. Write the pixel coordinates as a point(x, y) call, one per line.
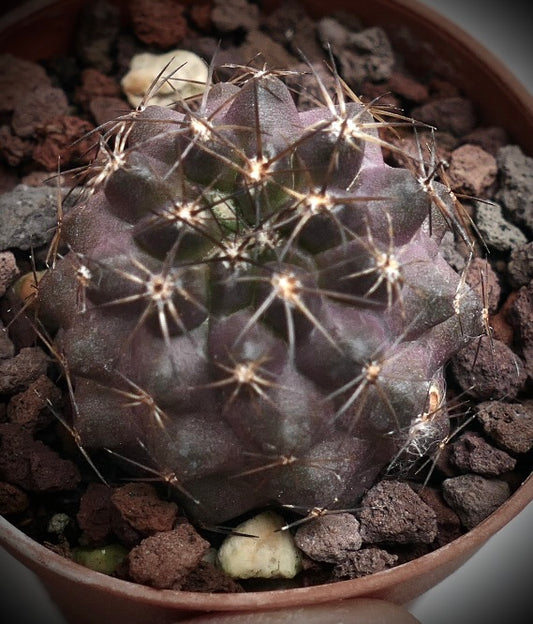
point(47, 487)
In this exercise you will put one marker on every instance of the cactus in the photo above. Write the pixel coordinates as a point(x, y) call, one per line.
point(250, 304)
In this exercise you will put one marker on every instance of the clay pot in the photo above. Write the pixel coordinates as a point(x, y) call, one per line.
point(85, 596)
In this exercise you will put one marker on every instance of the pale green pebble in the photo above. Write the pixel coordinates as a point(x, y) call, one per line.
point(271, 554)
point(105, 559)
point(58, 523)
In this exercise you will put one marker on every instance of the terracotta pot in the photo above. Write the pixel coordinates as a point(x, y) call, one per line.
point(85, 596)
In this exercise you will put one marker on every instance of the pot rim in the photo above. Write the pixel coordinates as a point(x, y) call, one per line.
point(37, 556)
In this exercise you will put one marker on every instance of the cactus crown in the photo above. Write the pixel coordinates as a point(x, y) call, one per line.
point(251, 303)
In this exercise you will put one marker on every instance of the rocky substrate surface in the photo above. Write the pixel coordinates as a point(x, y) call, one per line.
point(134, 529)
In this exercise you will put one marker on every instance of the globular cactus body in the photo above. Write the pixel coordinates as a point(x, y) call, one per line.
point(253, 305)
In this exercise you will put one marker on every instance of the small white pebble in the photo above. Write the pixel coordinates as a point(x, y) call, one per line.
point(187, 81)
point(272, 554)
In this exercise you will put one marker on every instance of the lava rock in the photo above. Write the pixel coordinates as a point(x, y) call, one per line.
point(139, 505)
point(13, 149)
point(200, 15)
point(393, 512)
point(407, 87)
point(32, 408)
point(28, 216)
point(230, 15)
point(488, 368)
point(501, 327)
point(483, 279)
point(34, 110)
point(521, 317)
point(19, 372)
point(164, 559)
point(510, 425)
point(31, 465)
point(97, 33)
point(94, 513)
point(206, 577)
point(516, 185)
point(159, 23)
point(474, 497)
point(94, 83)
point(472, 170)
point(329, 538)
point(363, 563)
point(453, 114)
point(490, 138)
point(520, 265)
point(496, 231)
point(103, 108)
point(7, 348)
point(448, 522)
point(368, 55)
point(17, 77)
point(471, 453)
point(8, 271)
point(290, 25)
point(66, 139)
point(13, 500)
point(271, 52)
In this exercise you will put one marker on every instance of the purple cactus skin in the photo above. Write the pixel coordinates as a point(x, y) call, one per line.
point(253, 305)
